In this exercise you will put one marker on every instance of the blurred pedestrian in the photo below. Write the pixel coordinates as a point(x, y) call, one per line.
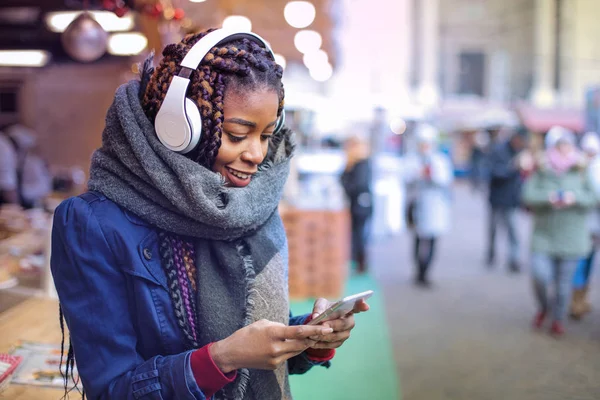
point(356, 180)
point(505, 195)
point(24, 175)
point(479, 174)
point(590, 144)
point(559, 196)
point(429, 177)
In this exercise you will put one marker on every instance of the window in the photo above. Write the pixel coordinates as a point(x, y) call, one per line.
point(472, 73)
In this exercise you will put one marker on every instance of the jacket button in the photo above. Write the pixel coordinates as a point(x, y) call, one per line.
point(147, 254)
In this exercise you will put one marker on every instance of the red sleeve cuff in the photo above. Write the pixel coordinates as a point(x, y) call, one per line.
point(209, 377)
point(318, 355)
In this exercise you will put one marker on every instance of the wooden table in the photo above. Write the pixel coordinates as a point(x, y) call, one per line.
point(35, 319)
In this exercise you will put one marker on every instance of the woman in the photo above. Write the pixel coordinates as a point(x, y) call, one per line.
point(559, 196)
point(429, 179)
point(172, 270)
point(590, 144)
point(356, 180)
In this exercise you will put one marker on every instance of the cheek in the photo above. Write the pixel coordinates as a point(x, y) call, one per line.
point(225, 155)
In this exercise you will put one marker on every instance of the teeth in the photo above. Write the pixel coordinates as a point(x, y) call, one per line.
point(238, 174)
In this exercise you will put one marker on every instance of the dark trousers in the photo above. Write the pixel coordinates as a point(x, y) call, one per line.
point(359, 241)
point(423, 253)
point(507, 217)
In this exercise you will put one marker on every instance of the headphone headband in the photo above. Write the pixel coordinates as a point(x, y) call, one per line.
point(199, 50)
point(178, 123)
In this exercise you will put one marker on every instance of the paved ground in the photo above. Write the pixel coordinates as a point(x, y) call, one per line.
point(470, 337)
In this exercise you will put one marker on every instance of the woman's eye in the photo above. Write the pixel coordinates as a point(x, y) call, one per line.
point(265, 137)
point(235, 139)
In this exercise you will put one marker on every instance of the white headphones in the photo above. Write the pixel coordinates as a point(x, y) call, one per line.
point(178, 123)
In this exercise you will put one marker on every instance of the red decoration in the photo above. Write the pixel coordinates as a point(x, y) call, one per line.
point(121, 7)
point(179, 14)
point(120, 11)
point(156, 10)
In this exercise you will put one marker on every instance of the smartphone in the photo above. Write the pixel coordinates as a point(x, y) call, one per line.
point(341, 307)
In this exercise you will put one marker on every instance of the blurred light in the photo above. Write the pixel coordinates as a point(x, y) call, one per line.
point(279, 59)
point(24, 58)
point(169, 13)
point(237, 23)
point(127, 44)
point(187, 23)
point(19, 15)
point(398, 126)
point(59, 20)
point(197, 1)
point(299, 14)
point(321, 73)
point(315, 58)
point(307, 41)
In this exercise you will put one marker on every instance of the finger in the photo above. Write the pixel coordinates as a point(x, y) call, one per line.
point(302, 331)
point(320, 306)
point(327, 345)
point(334, 337)
point(341, 324)
point(360, 306)
point(297, 345)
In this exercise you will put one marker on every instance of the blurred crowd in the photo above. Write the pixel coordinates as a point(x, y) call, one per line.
point(556, 184)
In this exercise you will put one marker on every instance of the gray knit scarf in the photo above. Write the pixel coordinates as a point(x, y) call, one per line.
point(239, 242)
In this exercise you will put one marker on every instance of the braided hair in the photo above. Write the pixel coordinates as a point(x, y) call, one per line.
point(239, 65)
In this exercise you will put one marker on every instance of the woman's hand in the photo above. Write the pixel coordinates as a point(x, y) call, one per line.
point(341, 326)
point(564, 200)
point(264, 345)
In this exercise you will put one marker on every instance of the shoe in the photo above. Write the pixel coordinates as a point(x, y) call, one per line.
point(578, 306)
point(490, 261)
point(538, 321)
point(557, 329)
point(423, 283)
point(514, 267)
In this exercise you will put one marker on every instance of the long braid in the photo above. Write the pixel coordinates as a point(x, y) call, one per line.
point(239, 64)
point(184, 284)
point(70, 361)
point(168, 263)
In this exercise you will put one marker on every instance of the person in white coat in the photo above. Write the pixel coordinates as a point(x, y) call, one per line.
point(429, 176)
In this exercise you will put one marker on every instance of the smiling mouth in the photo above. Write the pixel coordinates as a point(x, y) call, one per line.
point(239, 174)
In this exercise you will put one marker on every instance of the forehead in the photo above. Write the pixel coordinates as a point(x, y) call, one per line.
point(250, 102)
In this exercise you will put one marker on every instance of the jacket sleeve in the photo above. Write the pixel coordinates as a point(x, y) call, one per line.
point(93, 295)
point(534, 194)
point(301, 363)
point(585, 197)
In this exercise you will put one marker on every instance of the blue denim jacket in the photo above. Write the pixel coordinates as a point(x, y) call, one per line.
point(114, 296)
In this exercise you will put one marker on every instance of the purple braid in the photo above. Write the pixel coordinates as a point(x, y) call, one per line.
point(168, 264)
point(184, 283)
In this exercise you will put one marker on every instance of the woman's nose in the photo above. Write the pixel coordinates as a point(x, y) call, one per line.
point(253, 153)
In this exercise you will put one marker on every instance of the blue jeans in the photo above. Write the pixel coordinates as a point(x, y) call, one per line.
point(547, 269)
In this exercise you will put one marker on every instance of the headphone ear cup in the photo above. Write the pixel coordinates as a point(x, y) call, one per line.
point(195, 121)
point(280, 122)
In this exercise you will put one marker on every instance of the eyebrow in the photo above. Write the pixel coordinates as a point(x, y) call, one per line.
point(244, 122)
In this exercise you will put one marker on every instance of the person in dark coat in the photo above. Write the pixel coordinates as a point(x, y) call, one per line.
point(504, 195)
point(356, 180)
